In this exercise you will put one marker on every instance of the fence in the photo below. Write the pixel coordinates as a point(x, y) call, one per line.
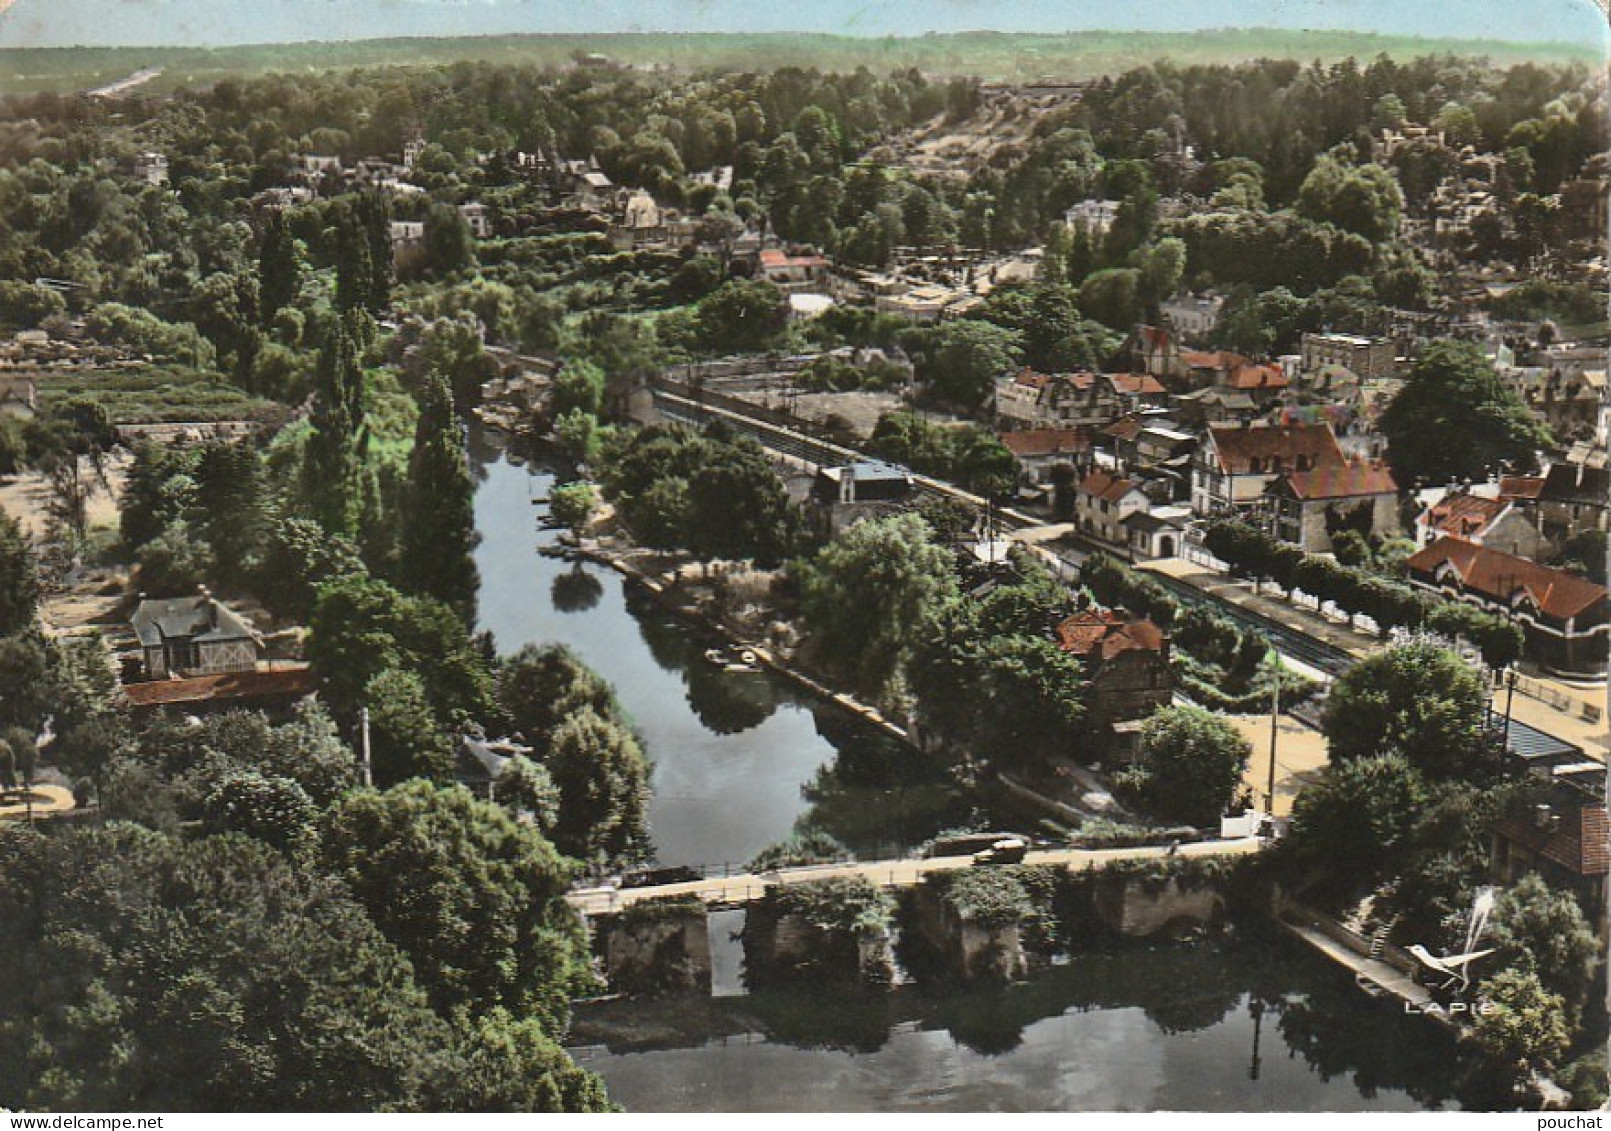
point(1566, 704)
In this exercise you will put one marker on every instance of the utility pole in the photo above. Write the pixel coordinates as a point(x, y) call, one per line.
point(363, 722)
point(1275, 727)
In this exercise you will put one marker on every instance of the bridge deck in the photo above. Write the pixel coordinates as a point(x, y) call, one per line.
point(741, 889)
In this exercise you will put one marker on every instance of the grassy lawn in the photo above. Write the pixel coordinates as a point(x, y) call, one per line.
point(155, 394)
point(990, 55)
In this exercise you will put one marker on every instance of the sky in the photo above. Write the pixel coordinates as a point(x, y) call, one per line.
point(60, 23)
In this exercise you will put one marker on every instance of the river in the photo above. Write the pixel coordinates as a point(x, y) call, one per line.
point(741, 759)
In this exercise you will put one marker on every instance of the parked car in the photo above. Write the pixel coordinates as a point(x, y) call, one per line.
point(1008, 850)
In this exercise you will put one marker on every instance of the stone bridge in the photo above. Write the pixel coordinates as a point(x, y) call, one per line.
point(735, 891)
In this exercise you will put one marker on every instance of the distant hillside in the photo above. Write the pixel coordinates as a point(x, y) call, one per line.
point(998, 56)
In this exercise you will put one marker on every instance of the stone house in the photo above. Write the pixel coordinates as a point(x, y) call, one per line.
point(1157, 533)
point(1574, 498)
point(1563, 616)
point(843, 496)
point(1364, 357)
point(1310, 507)
point(1233, 466)
point(1038, 450)
point(1497, 523)
point(1102, 501)
point(1126, 665)
point(191, 636)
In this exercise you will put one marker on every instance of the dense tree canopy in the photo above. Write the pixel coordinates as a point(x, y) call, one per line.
point(869, 597)
point(484, 922)
point(1418, 700)
point(1455, 419)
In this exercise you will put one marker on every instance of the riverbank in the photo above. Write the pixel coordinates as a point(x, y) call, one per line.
point(672, 596)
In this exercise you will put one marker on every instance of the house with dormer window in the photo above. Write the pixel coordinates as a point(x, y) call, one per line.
point(1563, 616)
point(1234, 465)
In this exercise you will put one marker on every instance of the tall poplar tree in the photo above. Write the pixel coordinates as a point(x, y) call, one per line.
point(279, 268)
point(439, 524)
point(336, 446)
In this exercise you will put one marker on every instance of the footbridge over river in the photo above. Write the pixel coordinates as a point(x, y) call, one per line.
point(738, 890)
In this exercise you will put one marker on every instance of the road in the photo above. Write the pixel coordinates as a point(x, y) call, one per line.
point(749, 886)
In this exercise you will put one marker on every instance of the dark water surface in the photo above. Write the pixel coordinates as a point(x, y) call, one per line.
point(1243, 1027)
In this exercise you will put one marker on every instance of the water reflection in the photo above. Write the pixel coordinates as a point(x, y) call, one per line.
point(576, 591)
point(1197, 1028)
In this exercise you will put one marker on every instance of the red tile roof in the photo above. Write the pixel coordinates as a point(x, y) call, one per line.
point(1046, 441)
point(1579, 842)
point(1106, 485)
point(1239, 447)
point(1520, 486)
point(273, 683)
point(1213, 359)
point(1464, 515)
point(1031, 379)
point(1106, 633)
point(1257, 377)
point(1124, 428)
point(1135, 384)
point(1346, 482)
point(1498, 576)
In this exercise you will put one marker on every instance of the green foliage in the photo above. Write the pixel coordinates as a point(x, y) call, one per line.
point(405, 739)
point(19, 582)
point(143, 332)
point(603, 780)
point(485, 922)
point(1191, 766)
point(230, 513)
point(741, 316)
point(1418, 700)
point(969, 457)
point(1527, 1025)
point(26, 305)
point(211, 975)
point(1576, 304)
point(275, 810)
point(960, 360)
point(989, 680)
point(1364, 199)
point(1390, 604)
point(336, 446)
point(991, 898)
point(449, 246)
point(1455, 419)
point(527, 790)
point(713, 494)
point(438, 525)
point(173, 563)
point(579, 387)
point(538, 688)
point(812, 846)
point(300, 557)
point(850, 905)
point(362, 627)
point(870, 595)
point(572, 505)
point(1354, 823)
point(1545, 932)
point(507, 1063)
